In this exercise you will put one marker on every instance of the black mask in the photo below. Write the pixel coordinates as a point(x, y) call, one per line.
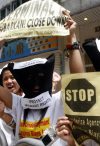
point(35, 79)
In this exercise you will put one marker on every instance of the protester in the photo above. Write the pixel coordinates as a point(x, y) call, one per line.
point(8, 81)
point(64, 125)
point(7, 123)
point(93, 53)
point(51, 112)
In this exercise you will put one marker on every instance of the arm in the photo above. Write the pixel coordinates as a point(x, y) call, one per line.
point(5, 116)
point(56, 81)
point(6, 97)
point(63, 127)
point(75, 59)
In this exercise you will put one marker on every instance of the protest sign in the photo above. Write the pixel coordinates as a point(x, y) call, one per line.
point(34, 18)
point(82, 104)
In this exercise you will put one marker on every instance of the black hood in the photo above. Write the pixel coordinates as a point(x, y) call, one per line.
point(33, 78)
point(93, 53)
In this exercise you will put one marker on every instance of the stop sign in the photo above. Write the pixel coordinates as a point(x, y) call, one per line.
point(80, 95)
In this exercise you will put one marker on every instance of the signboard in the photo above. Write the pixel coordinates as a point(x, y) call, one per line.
point(82, 104)
point(34, 18)
point(26, 47)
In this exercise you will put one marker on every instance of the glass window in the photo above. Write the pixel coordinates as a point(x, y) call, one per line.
point(14, 5)
point(8, 9)
point(18, 3)
point(3, 13)
point(23, 1)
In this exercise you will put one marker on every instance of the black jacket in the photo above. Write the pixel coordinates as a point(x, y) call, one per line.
point(90, 48)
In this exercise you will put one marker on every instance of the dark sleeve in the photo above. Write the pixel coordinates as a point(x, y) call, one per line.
point(93, 53)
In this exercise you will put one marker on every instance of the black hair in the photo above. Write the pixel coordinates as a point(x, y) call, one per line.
point(8, 67)
point(1, 76)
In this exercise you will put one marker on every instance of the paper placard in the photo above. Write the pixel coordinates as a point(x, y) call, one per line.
point(81, 94)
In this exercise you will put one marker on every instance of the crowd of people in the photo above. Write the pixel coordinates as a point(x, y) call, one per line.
point(31, 81)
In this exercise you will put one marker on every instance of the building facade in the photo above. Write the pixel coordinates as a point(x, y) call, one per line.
point(7, 6)
point(79, 9)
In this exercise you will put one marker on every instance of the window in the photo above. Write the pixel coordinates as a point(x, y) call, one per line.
point(3, 13)
point(18, 3)
point(14, 5)
point(8, 9)
point(23, 1)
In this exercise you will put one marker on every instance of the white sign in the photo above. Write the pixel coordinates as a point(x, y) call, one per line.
point(34, 18)
point(39, 102)
point(25, 64)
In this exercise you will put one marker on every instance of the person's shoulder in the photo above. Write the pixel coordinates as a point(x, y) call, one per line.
point(16, 96)
point(57, 94)
point(88, 44)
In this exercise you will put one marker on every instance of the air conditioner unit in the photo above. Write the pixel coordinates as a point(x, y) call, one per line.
point(97, 29)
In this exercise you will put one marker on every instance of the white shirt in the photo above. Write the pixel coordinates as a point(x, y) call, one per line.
point(54, 111)
point(8, 131)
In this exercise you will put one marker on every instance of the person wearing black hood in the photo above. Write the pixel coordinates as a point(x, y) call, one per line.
point(93, 53)
point(7, 122)
point(7, 80)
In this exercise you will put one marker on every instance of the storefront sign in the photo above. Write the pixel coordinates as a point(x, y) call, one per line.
point(26, 47)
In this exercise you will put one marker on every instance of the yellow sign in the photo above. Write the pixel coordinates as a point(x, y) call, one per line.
point(81, 94)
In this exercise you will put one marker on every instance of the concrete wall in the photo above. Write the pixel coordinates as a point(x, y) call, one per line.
point(3, 3)
point(87, 31)
point(77, 6)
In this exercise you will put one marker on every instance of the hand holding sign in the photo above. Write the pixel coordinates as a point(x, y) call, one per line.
point(63, 130)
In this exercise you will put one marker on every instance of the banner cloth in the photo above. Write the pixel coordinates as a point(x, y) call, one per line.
point(34, 18)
